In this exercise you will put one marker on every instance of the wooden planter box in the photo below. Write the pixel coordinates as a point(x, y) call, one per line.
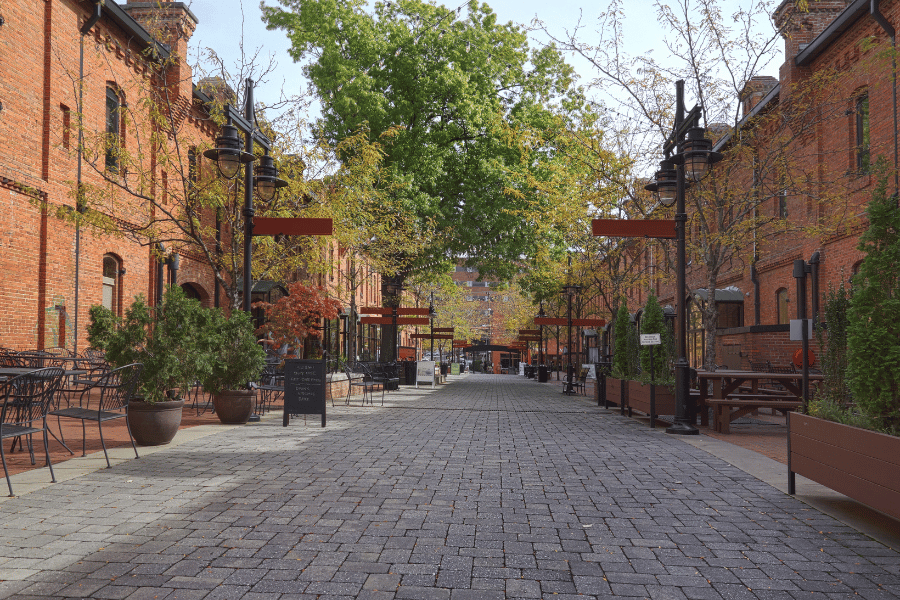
point(639, 399)
point(614, 390)
point(861, 464)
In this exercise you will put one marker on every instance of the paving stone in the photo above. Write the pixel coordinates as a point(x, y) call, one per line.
point(489, 487)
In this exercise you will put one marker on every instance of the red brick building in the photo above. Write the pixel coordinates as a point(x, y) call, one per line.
point(50, 271)
point(758, 296)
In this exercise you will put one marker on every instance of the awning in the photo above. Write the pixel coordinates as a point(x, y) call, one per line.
point(589, 333)
point(729, 294)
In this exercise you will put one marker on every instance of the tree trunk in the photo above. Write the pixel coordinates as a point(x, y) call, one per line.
point(710, 322)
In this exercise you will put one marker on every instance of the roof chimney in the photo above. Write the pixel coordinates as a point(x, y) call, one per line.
point(799, 27)
point(755, 90)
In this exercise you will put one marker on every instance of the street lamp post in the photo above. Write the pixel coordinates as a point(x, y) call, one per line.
point(392, 289)
point(570, 290)
point(432, 315)
point(687, 155)
point(229, 157)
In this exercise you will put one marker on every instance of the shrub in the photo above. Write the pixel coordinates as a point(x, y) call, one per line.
point(166, 339)
point(874, 315)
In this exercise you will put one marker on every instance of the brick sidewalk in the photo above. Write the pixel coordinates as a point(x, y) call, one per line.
point(487, 488)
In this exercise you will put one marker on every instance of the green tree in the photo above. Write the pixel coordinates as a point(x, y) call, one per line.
point(453, 86)
point(622, 363)
point(653, 321)
point(874, 315)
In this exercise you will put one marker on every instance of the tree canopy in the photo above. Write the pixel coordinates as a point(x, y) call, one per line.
point(456, 86)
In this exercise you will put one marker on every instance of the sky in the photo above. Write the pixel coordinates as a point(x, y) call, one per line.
point(223, 23)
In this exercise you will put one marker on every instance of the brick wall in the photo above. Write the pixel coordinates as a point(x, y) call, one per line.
point(39, 73)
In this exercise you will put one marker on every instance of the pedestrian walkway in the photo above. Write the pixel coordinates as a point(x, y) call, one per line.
point(489, 487)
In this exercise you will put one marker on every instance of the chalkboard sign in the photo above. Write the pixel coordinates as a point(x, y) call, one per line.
point(425, 372)
point(454, 368)
point(304, 388)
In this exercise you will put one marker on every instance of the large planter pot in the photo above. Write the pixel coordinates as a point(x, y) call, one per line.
point(234, 407)
point(639, 399)
point(861, 464)
point(154, 424)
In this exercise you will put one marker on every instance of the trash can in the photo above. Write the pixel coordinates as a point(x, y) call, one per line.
point(543, 374)
point(409, 370)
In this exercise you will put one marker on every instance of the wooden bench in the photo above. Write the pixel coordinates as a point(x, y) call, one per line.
point(745, 404)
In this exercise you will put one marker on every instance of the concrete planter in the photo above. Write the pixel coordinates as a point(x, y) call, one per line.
point(154, 424)
point(861, 464)
point(639, 399)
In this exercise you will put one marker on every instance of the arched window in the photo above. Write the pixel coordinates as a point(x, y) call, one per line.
point(111, 283)
point(113, 128)
point(781, 302)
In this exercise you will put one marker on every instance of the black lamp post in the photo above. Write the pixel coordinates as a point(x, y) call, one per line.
point(229, 157)
point(570, 290)
point(688, 154)
point(392, 290)
point(432, 315)
point(541, 315)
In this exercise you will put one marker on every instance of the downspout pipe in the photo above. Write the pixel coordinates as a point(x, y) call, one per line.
point(79, 205)
point(814, 261)
point(892, 33)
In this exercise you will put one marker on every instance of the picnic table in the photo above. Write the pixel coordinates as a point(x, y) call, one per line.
point(731, 399)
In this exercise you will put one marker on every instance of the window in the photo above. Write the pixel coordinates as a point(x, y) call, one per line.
point(110, 283)
point(67, 126)
point(164, 183)
point(862, 133)
point(781, 207)
point(113, 116)
point(781, 302)
point(731, 314)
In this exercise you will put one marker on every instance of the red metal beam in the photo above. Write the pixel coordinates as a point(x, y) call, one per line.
point(529, 332)
point(426, 336)
point(390, 321)
point(661, 228)
point(292, 226)
point(383, 310)
point(443, 329)
point(550, 321)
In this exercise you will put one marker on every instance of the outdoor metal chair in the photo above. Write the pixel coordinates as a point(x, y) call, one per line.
point(111, 394)
point(759, 366)
point(368, 382)
point(270, 387)
point(26, 400)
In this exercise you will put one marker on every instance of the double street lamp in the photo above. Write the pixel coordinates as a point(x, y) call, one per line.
point(688, 155)
point(229, 154)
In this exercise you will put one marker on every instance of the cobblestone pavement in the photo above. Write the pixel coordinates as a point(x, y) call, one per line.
point(490, 487)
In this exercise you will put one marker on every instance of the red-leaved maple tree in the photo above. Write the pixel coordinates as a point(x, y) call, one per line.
point(293, 318)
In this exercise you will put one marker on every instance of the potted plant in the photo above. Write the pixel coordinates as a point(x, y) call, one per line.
point(233, 358)
point(854, 447)
point(166, 340)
